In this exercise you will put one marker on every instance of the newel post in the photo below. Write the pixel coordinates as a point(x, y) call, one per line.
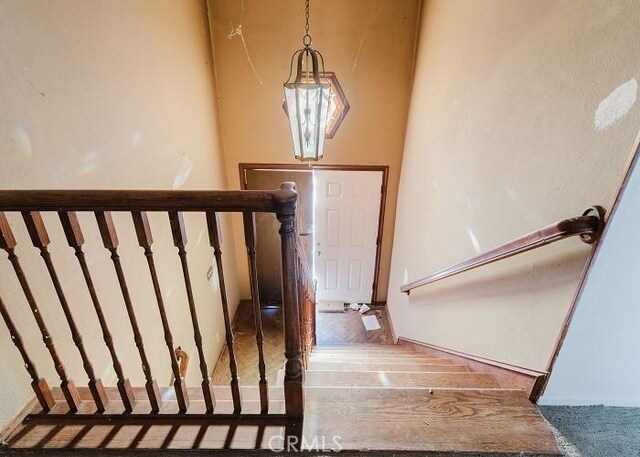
point(294, 373)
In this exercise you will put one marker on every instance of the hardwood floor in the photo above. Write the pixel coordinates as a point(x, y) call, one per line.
point(347, 327)
point(246, 350)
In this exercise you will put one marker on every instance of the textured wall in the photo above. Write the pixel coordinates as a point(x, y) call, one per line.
point(523, 113)
point(111, 95)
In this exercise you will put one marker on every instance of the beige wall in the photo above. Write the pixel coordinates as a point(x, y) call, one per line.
point(523, 113)
point(370, 46)
point(108, 94)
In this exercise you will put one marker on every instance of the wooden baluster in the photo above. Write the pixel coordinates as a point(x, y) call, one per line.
point(40, 239)
point(250, 241)
point(294, 372)
point(145, 240)
point(214, 239)
point(39, 385)
point(180, 241)
point(8, 243)
point(110, 241)
point(75, 239)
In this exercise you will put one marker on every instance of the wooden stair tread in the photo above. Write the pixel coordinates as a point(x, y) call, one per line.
point(363, 350)
point(314, 378)
point(469, 420)
point(383, 359)
point(364, 366)
point(368, 353)
point(355, 345)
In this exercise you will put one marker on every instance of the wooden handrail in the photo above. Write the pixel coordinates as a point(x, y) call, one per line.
point(146, 200)
point(588, 227)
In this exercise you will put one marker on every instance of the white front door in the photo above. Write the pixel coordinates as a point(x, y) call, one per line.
point(346, 211)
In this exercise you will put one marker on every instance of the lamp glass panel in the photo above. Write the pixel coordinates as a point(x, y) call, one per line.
point(292, 109)
point(308, 107)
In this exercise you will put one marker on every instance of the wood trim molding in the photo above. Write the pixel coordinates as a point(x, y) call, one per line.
point(384, 169)
point(508, 376)
point(394, 335)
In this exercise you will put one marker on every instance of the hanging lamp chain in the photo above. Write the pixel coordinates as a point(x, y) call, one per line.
point(306, 40)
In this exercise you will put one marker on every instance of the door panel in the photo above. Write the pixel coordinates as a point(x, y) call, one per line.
point(346, 214)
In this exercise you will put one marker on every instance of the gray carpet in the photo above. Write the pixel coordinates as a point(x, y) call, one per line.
point(219, 453)
point(596, 431)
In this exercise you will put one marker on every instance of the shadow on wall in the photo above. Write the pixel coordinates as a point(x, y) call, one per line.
point(552, 272)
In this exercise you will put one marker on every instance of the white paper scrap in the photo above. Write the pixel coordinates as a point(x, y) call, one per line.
point(355, 306)
point(364, 308)
point(370, 322)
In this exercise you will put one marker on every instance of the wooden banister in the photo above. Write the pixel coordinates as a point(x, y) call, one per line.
point(145, 200)
point(293, 369)
point(588, 227)
point(297, 281)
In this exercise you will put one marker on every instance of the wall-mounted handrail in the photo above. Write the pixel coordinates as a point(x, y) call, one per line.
point(588, 227)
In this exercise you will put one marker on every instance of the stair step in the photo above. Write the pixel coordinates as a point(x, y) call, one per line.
point(356, 345)
point(382, 356)
point(438, 420)
point(379, 347)
point(382, 360)
point(318, 378)
point(360, 366)
point(364, 351)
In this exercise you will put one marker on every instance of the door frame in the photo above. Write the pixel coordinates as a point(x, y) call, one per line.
point(384, 169)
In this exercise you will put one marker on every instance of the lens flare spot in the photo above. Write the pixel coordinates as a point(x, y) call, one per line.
point(183, 174)
point(382, 377)
point(200, 237)
point(511, 194)
point(136, 139)
point(474, 240)
point(21, 140)
point(616, 105)
point(90, 162)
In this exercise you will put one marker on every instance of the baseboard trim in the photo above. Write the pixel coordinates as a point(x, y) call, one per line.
point(508, 376)
point(9, 428)
point(394, 335)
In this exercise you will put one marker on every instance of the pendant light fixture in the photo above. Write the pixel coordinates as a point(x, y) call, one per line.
point(307, 98)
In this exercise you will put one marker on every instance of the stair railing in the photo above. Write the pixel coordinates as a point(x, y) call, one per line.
point(588, 227)
point(174, 204)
